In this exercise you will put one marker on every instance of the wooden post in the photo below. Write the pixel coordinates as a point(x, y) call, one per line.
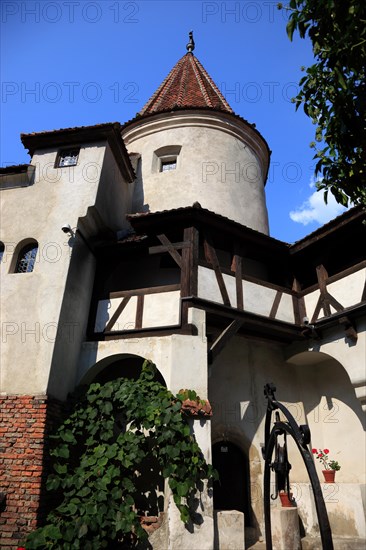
point(189, 272)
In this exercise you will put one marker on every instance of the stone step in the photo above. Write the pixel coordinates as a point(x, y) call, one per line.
point(310, 543)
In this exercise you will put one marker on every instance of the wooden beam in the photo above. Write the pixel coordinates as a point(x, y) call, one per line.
point(281, 330)
point(143, 291)
point(363, 297)
point(325, 299)
point(170, 248)
point(336, 277)
point(117, 313)
point(146, 332)
point(322, 276)
point(139, 312)
point(237, 268)
point(333, 302)
point(189, 280)
point(162, 248)
point(275, 305)
point(318, 307)
point(223, 339)
point(189, 273)
point(298, 303)
point(211, 257)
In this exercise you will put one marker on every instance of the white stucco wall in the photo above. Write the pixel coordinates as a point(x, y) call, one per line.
point(317, 392)
point(222, 165)
point(181, 359)
point(257, 298)
point(161, 309)
point(31, 303)
point(347, 291)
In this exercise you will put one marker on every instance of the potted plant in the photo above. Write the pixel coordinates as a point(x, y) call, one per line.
point(330, 466)
point(286, 499)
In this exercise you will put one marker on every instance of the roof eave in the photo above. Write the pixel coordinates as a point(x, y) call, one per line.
point(110, 132)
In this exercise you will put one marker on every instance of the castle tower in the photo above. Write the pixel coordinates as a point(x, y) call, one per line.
point(194, 148)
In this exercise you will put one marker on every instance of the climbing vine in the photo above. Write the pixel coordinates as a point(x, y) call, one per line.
point(99, 454)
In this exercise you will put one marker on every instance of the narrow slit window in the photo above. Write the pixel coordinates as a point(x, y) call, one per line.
point(2, 249)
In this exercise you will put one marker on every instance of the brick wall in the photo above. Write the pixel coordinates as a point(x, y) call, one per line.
point(24, 423)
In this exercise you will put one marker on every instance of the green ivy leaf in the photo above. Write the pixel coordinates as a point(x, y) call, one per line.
point(82, 530)
point(101, 483)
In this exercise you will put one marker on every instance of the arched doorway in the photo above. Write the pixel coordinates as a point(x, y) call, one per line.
point(231, 491)
point(121, 365)
point(149, 482)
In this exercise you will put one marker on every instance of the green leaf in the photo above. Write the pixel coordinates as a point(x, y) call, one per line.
point(68, 436)
point(101, 483)
point(85, 491)
point(182, 489)
point(184, 514)
point(60, 468)
point(83, 530)
point(290, 27)
point(52, 532)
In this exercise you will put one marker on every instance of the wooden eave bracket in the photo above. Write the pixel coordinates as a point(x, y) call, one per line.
point(223, 339)
point(349, 329)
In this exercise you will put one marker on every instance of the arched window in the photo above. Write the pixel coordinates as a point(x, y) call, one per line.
point(2, 248)
point(27, 257)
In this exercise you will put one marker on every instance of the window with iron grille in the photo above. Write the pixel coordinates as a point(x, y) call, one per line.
point(67, 157)
point(27, 258)
point(166, 159)
point(167, 165)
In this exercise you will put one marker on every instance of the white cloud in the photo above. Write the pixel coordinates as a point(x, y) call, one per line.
point(314, 209)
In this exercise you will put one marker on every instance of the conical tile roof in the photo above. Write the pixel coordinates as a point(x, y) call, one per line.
point(188, 85)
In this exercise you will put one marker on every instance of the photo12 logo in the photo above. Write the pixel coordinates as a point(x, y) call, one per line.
point(70, 92)
point(70, 12)
point(241, 12)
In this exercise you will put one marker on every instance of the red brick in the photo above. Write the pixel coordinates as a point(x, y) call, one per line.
point(23, 425)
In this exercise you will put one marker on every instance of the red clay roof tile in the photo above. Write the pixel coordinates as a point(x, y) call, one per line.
point(188, 85)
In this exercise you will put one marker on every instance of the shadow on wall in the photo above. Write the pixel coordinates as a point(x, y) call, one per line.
point(325, 378)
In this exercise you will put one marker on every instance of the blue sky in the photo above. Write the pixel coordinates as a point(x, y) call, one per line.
point(68, 63)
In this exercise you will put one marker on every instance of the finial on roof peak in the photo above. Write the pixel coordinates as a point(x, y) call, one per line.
point(190, 45)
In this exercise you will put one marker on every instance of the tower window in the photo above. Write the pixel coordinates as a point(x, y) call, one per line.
point(2, 249)
point(27, 258)
point(166, 158)
point(67, 157)
point(167, 165)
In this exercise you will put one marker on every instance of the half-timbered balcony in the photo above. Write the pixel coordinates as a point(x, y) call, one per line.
point(244, 280)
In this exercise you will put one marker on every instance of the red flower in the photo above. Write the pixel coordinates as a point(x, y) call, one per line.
point(314, 451)
point(326, 451)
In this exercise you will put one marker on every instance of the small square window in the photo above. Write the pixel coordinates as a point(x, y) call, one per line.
point(67, 157)
point(167, 165)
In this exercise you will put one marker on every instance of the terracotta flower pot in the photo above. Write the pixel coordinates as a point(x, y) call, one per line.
point(285, 501)
point(329, 476)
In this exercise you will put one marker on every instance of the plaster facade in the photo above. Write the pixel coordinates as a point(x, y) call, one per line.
point(222, 164)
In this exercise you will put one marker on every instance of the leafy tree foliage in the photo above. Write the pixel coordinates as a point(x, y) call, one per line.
point(99, 454)
point(333, 91)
